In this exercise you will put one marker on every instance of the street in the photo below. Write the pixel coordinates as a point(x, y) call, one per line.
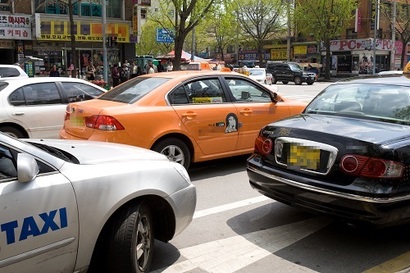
point(236, 229)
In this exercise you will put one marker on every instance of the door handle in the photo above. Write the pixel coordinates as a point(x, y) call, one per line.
point(246, 112)
point(189, 115)
point(18, 114)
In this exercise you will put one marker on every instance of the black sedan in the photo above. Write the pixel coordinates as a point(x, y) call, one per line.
point(347, 155)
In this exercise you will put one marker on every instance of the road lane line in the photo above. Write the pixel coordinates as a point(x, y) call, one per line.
point(230, 206)
point(394, 265)
point(231, 254)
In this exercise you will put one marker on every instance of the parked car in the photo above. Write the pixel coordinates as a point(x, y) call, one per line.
point(260, 75)
point(347, 155)
point(35, 107)
point(9, 71)
point(289, 72)
point(190, 116)
point(69, 206)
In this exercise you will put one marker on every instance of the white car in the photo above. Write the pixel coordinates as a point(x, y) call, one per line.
point(35, 107)
point(260, 75)
point(10, 71)
point(73, 206)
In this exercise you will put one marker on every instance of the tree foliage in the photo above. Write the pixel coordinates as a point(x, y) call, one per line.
point(148, 44)
point(260, 21)
point(324, 20)
point(402, 22)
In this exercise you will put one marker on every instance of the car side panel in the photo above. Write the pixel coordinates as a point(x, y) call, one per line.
point(38, 225)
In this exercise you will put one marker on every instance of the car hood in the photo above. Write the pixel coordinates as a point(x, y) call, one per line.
point(354, 128)
point(93, 152)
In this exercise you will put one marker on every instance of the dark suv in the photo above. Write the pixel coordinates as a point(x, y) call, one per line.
point(289, 72)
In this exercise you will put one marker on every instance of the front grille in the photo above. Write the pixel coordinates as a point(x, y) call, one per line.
point(304, 155)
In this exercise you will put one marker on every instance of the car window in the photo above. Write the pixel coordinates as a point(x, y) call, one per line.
point(295, 67)
point(198, 91)
point(245, 91)
point(36, 94)
point(76, 91)
point(132, 90)
point(366, 100)
point(7, 164)
point(9, 72)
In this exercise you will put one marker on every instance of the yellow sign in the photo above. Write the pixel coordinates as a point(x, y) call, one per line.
point(85, 31)
point(300, 50)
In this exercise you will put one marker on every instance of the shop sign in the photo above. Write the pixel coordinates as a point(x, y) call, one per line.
point(15, 27)
point(7, 44)
point(90, 31)
point(300, 50)
point(359, 44)
point(278, 54)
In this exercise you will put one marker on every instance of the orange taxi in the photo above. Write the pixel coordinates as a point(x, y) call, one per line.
point(190, 116)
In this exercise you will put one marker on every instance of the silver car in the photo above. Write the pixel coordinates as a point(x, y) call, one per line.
point(73, 206)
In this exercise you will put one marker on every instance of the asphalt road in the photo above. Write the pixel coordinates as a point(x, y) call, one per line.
point(235, 229)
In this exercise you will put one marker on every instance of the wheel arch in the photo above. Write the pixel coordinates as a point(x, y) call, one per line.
point(16, 126)
point(163, 220)
point(181, 137)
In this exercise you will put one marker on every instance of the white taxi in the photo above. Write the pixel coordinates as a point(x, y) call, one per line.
point(73, 206)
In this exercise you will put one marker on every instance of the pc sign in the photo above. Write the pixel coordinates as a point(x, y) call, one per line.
point(165, 35)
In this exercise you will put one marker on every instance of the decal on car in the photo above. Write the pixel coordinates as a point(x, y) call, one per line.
point(232, 123)
point(32, 227)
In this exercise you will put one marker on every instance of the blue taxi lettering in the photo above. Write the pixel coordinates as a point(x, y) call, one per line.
point(30, 227)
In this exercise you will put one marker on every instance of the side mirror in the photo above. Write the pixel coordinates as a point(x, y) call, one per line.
point(27, 168)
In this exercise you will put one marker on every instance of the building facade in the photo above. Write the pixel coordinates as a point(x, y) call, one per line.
point(41, 28)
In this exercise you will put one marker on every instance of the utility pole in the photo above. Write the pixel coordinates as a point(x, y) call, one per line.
point(393, 37)
point(104, 35)
point(376, 28)
point(289, 30)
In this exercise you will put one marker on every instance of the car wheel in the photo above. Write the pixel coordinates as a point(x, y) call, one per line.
point(11, 131)
point(175, 149)
point(131, 240)
point(298, 80)
point(274, 80)
point(285, 82)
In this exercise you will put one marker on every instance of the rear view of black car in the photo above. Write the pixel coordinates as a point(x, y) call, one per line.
point(347, 155)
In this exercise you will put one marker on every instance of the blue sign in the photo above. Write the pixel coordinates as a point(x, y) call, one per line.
point(165, 35)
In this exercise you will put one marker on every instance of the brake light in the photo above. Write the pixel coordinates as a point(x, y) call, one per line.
point(365, 166)
point(104, 123)
point(263, 146)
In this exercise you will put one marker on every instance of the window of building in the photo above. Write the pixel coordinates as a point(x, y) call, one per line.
point(351, 34)
point(86, 8)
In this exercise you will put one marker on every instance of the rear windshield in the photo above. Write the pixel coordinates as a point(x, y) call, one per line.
point(6, 72)
point(133, 89)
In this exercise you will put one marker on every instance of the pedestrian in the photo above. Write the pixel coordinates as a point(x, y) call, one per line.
point(134, 69)
point(148, 67)
point(115, 75)
point(124, 73)
point(54, 72)
point(90, 70)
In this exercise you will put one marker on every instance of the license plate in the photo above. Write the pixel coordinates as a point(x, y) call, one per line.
point(304, 157)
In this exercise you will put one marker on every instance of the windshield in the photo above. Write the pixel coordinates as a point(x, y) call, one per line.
point(134, 89)
point(295, 67)
point(381, 101)
point(256, 72)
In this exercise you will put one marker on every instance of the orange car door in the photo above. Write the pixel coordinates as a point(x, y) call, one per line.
point(207, 116)
point(255, 109)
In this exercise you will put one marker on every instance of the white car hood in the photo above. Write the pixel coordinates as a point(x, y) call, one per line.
point(93, 152)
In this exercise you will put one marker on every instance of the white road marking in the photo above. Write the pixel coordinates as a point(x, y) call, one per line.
point(230, 206)
point(231, 254)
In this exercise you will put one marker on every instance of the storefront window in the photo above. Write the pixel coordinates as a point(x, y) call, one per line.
point(4, 5)
point(91, 8)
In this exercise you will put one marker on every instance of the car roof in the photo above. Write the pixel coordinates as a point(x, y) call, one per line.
point(393, 79)
point(15, 81)
point(188, 74)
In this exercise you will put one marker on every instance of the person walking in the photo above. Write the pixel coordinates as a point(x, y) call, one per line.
point(124, 73)
point(115, 75)
point(54, 72)
point(90, 71)
point(134, 70)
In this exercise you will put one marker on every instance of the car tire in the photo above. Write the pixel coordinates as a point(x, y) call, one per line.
point(298, 80)
point(11, 131)
point(285, 82)
point(131, 240)
point(274, 80)
point(175, 149)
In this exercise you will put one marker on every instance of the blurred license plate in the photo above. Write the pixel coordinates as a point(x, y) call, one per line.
point(304, 157)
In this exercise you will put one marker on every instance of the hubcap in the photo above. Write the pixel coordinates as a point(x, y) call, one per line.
point(143, 243)
point(174, 153)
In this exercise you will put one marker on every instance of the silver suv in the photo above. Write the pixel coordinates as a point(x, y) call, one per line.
point(289, 72)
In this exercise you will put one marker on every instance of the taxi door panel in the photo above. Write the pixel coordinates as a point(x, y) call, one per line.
point(204, 112)
point(38, 224)
point(255, 110)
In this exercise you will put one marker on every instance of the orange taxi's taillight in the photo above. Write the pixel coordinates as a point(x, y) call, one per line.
point(104, 123)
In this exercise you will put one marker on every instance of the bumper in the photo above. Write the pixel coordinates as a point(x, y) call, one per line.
point(348, 206)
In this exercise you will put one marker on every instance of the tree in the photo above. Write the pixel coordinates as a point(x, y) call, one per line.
point(73, 31)
point(260, 20)
point(324, 20)
point(182, 16)
point(401, 21)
